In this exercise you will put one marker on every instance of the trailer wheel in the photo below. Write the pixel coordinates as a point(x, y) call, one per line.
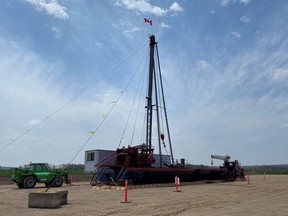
point(29, 182)
point(57, 181)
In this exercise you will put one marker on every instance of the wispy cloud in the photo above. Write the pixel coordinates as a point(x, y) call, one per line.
point(145, 7)
point(32, 122)
point(127, 28)
point(245, 98)
point(244, 19)
point(236, 34)
point(175, 7)
point(26, 89)
point(51, 7)
point(226, 91)
point(57, 31)
point(285, 125)
point(130, 32)
point(279, 74)
point(225, 3)
point(202, 64)
point(164, 25)
point(245, 1)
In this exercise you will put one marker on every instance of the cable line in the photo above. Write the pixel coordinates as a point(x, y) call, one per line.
point(73, 99)
point(105, 117)
point(96, 129)
point(130, 112)
point(136, 93)
point(138, 106)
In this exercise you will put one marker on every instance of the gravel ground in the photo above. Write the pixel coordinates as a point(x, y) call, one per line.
point(260, 197)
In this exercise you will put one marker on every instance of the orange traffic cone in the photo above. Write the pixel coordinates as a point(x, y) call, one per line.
point(126, 192)
point(248, 179)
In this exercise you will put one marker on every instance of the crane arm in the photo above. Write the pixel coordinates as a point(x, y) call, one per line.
point(219, 157)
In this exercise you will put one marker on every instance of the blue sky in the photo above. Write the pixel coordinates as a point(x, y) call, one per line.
point(224, 63)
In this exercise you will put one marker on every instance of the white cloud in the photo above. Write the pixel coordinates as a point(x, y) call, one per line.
point(236, 34)
point(244, 19)
point(57, 31)
point(127, 28)
point(31, 92)
point(285, 125)
point(130, 32)
point(144, 7)
point(202, 64)
point(163, 25)
point(236, 96)
point(245, 1)
point(51, 7)
point(98, 44)
point(32, 122)
point(224, 3)
point(175, 7)
point(279, 74)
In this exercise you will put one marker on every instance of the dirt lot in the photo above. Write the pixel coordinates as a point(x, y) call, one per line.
point(261, 197)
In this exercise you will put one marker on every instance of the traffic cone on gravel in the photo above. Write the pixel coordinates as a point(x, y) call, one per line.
point(177, 184)
point(126, 192)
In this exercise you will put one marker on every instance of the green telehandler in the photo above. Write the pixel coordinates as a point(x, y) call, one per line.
point(39, 173)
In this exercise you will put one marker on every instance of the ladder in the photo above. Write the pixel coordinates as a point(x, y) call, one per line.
point(97, 176)
point(121, 174)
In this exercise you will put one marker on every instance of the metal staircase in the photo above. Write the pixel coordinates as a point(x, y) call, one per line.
point(97, 176)
point(121, 174)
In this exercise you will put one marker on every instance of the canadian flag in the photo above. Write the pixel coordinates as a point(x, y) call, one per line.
point(148, 21)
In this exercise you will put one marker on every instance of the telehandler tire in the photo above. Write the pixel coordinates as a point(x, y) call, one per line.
point(29, 182)
point(57, 181)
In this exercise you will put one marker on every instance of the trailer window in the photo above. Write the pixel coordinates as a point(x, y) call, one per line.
point(90, 156)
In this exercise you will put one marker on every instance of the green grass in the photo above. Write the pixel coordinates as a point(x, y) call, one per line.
point(268, 172)
point(6, 172)
point(70, 172)
point(76, 172)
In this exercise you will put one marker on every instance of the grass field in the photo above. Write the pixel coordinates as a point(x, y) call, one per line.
point(268, 172)
point(6, 172)
point(11, 172)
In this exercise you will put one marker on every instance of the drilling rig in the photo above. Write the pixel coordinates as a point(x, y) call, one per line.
point(234, 168)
